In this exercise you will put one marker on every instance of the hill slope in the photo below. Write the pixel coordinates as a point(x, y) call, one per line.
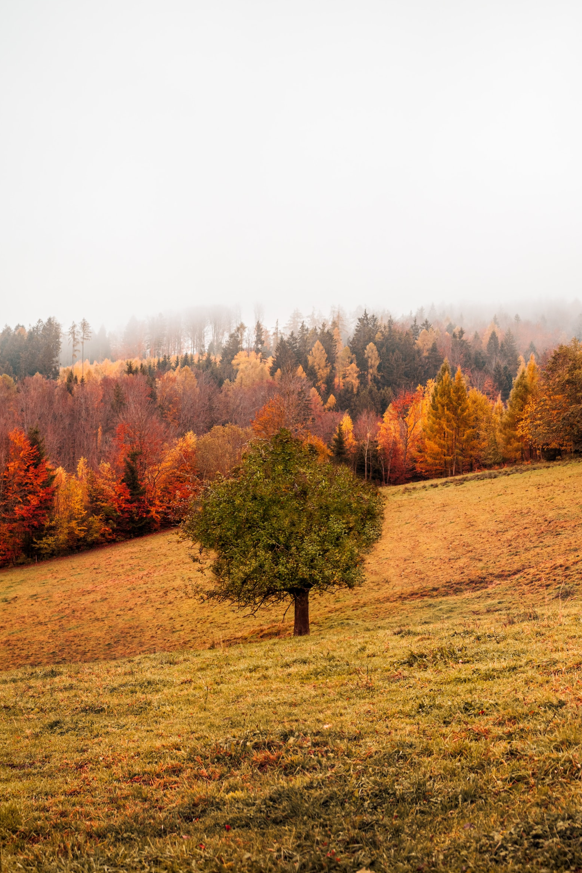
point(453, 536)
point(431, 721)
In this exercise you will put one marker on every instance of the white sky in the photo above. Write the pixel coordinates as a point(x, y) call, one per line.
point(156, 155)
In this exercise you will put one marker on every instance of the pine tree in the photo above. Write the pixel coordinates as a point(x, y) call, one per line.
point(285, 358)
point(118, 399)
point(73, 334)
point(259, 337)
point(432, 363)
point(493, 349)
point(139, 520)
point(503, 380)
point(508, 351)
point(338, 446)
point(84, 335)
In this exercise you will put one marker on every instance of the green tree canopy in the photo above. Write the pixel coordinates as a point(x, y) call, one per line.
point(284, 525)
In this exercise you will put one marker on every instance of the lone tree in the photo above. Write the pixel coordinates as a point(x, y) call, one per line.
point(284, 525)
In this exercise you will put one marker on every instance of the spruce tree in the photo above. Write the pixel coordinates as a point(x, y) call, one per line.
point(139, 520)
point(338, 446)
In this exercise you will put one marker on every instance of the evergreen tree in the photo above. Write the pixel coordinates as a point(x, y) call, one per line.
point(139, 520)
point(492, 350)
point(37, 442)
point(285, 358)
point(338, 446)
point(41, 350)
point(503, 380)
point(73, 334)
point(84, 335)
point(365, 332)
point(432, 363)
point(460, 349)
point(230, 350)
point(508, 352)
point(118, 399)
point(259, 337)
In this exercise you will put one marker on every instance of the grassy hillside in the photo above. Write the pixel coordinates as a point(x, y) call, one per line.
point(431, 721)
point(454, 536)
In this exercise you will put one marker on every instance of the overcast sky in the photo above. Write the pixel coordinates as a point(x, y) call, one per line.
point(155, 155)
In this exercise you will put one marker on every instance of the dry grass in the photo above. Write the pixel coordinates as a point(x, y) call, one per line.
point(439, 539)
point(431, 722)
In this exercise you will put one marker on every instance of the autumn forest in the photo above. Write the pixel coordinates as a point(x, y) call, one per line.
point(104, 438)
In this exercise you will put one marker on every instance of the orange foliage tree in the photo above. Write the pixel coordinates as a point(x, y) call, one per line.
point(552, 419)
point(398, 436)
point(175, 482)
point(287, 413)
point(270, 419)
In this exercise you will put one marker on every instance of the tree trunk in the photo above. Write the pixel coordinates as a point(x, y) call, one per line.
point(301, 613)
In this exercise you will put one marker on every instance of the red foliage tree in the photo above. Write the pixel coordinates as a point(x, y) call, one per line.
point(26, 495)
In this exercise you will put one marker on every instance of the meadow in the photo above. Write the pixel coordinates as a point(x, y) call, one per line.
point(430, 722)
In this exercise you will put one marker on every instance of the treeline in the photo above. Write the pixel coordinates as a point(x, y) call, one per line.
point(120, 455)
point(27, 352)
point(98, 452)
point(201, 329)
point(466, 339)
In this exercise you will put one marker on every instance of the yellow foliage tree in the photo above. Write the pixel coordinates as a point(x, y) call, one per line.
point(350, 442)
point(70, 526)
point(220, 450)
point(481, 443)
point(347, 373)
point(447, 426)
point(516, 442)
point(317, 358)
point(373, 359)
point(425, 340)
point(251, 369)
